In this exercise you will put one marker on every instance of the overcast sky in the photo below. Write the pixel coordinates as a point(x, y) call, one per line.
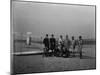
point(42, 18)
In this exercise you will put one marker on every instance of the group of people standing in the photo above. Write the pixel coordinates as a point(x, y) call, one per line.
point(60, 46)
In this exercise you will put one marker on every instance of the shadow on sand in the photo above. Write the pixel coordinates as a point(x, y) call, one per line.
point(83, 57)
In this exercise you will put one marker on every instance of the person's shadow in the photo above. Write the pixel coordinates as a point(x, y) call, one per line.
point(78, 56)
point(88, 57)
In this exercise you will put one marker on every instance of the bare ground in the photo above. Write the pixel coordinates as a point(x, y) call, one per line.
point(38, 63)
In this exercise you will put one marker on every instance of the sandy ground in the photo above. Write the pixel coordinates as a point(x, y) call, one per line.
point(38, 63)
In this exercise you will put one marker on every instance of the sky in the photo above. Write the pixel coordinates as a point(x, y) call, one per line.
point(57, 19)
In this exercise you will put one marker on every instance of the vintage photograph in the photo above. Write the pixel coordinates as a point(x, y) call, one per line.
point(52, 37)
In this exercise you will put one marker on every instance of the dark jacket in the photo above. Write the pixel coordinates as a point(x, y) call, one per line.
point(52, 43)
point(46, 42)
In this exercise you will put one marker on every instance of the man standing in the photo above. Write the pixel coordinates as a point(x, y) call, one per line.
point(29, 38)
point(80, 43)
point(66, 46)
point(73, 43)
point(52, 43)
point(46, 44)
